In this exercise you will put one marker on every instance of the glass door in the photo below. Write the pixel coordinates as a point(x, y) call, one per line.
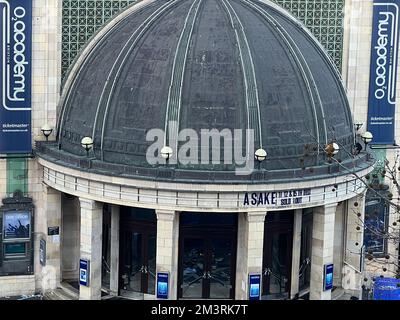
point(277, 261)
point(277, 266)
point(220, 268)
point(133, 266)
point(207, 270)
point(139, 262)
point(207, 255)
point(150, 266)
point(193, 269)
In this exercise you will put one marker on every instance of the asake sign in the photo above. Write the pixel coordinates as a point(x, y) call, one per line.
point(15, 76)
point(383, 77)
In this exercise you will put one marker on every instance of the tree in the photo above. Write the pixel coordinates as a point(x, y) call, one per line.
point(383, 187)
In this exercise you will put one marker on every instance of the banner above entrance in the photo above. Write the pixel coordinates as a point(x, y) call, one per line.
point(383, 71)
point(15, 75)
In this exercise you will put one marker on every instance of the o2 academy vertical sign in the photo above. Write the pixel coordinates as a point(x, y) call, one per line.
point(15, 76)
point(382, 87)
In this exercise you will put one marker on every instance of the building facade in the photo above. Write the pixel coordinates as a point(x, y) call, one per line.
point(206, 227)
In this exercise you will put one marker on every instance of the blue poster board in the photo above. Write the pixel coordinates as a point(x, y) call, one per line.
point(254, 286)
point(162, 285)
point(15, 75)
point(328, 277)
point(84, 272)
point(383, 71)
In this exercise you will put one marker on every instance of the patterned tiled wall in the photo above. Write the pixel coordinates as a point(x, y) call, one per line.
point(324, 18)
point(81, 18)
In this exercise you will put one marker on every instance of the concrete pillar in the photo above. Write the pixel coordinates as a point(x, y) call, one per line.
point(168, 247)
point(250, 247)
point(322, 249)
point(351, 277)
point(51, 272)
point(91, 245)
point(294, 286)
point(114, 272)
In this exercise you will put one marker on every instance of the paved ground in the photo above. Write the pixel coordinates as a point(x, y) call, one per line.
point(23, 297)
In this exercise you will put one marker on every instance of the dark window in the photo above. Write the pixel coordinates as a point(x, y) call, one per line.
point(201, 219)
point(138, 214)
point(14, 249)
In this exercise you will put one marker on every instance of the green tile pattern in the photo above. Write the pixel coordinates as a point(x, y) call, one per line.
point(81, 18)
point(325, 19)
point(17, 175)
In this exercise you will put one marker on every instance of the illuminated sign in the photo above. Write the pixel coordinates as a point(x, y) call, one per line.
point(15, 91)
point(84, 272)
point(162, 285)
point(383, 71)
point(328, 277)
point(254, 286)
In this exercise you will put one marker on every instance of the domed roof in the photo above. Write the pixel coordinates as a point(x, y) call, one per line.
point(205, 64)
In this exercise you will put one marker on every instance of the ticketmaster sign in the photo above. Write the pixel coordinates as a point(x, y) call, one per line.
point(382, 87)
point(15, 76)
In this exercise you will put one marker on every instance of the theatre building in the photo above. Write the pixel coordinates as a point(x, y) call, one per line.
point(138, 175)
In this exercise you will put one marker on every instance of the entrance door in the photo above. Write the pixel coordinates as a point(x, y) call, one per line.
point(207, 268)
point(277, 265)
point(138, 251)
point(207, 256)
point(139, 268)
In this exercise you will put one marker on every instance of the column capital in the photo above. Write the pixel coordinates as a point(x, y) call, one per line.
point(90, 204)
point(256, 216)
point(49, 190)
point(167, 215)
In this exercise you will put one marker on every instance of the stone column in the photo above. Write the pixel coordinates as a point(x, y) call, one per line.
point(114, 272)
point(294, 287)
point(250, 247)
point(351, 279)
point(322, 249)
point(91, 245)
point(168, 247)
point(51, 272)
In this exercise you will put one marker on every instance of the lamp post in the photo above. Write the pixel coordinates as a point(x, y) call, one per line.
point(260, 155)
point(166, 153)
point(367, 138)
point(87, 144)
point(46, 130)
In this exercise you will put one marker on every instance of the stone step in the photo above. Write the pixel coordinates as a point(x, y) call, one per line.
point(69, 290)
point(58, 294)
point(64, 292)
point(337, 294)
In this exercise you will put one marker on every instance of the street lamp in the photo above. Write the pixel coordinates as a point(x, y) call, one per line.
point(166, 153)
point(260, 155)
point(46, 130)
point(87, 144)
point(367, 138)
point(332, 149)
